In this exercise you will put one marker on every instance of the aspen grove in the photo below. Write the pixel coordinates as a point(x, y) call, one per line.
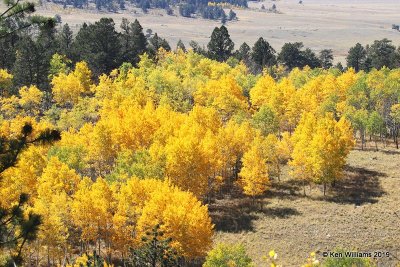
point(144, 149)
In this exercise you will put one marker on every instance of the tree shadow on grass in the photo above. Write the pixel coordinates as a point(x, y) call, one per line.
point(237, 214)
point(359, 186)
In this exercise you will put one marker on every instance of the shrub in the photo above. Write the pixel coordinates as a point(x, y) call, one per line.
point(226, 255)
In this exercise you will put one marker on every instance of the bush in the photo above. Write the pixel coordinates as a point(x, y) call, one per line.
point(225, 255)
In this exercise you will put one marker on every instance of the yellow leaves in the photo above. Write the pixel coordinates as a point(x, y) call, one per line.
point(56, 187)
point(395, 113)
point(182, 217)
point(254, 178)
point(320, 148)
point(5, 82)
point(23, 178)
point(223, 94)
point(57, 177)
point(262, 92)
point(67, 88)
point(30, 97)
point(84, 74)
point(92, 209)
point(131, 127)
point(28, 103)
point(190, 153)
point(144, 203)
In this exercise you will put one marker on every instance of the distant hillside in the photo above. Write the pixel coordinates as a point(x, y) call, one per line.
point(187, 8)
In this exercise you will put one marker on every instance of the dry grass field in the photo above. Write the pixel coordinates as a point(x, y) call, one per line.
point(319, 24)
point(362, 212)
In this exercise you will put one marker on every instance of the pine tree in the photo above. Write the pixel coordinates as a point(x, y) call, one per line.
point(133, 41)
point(155, 250)
point(102, 54)
point(356, 57)
point(33, 56)
point(155, 43)
point(263, 54)
point(326, 58)
point(243, 53)
point(220, 46)
point(291, 55)
point(180, 45)
point(65, 40)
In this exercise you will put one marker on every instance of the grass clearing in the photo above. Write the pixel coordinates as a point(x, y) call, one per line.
point(360, 212)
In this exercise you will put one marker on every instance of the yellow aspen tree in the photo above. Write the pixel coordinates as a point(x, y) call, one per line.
point(321, 146)
point(84, 75)
point(187, 164)
point(67, 88)
point(56, 186)
point(262, 92)
point(5, 82)
point(224, 94)
point(130, 198)
point(332, 142)
point(23, 178)
point(301, 139)
point(182, 217)
point(30, 99)
point(92, 212)
point(253, 177)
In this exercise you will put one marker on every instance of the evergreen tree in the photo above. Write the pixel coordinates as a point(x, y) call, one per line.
point(156, 42)
point(291, 55)
point(133, 41)
point(8, 46)
point(244, 52)
point(326, 58)
point(263, 54)
point(155, 251)
point(17, 17)
point(32, 63)
point(197, 48)
point(220, 46)
point(180, 45)
point(65, 39)
point(232, 15)
point(339, 66)
point(309, 58)
point(99, 45)
point(356, 57)
point(382, 54)
point(223, 18)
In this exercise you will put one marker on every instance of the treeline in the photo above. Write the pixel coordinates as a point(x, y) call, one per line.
point(27, 53)
point(188, 8)
point(210, 10)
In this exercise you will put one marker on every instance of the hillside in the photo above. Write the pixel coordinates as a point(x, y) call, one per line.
point(360, 213)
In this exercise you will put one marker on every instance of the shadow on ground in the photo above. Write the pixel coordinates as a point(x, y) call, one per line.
point(237, 214)
point(360, 186)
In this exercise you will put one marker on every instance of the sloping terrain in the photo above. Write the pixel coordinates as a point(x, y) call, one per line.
point(362, 212)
